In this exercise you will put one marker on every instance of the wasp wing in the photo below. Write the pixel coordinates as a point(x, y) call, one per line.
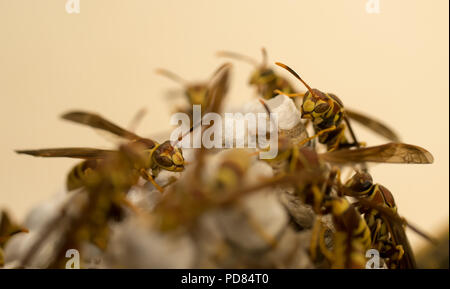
point(399, 236)
point(373, 124)
point(97, 121)
point(77, 153)
point(218, 84)
point(218, 90)
point(399, 153)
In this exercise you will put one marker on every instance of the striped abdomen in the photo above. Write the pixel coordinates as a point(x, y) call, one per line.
point(352, 237)
point(77, 175)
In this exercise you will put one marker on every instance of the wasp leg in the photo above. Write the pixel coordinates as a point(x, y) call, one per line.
point(317, 198)
point(126, 203)
point(339, 138)
point(401, 252)
point(289, 94)
point(150, 179)
point(294, 158)
point(376, 232)
point(339, 182)
point(333, 178)
point(314, 240)
point(304, 141)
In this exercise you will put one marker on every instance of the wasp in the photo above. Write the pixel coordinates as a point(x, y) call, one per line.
point(386, 231)
point(103, 189)
point(8, 228)
point(354, 234)
point(293, 158)
point(263, 78)
point(351, 237)
point(193, 194)
point(199, 93)
point(162, 156)
point(304, 157)
point(378, 206)
point(326, 111)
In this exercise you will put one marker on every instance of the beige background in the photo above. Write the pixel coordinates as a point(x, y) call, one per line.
point(393, 65)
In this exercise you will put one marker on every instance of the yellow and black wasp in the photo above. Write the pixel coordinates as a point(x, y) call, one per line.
point(162, 156)
point(263, 78)
point(353, 233)
point(327, 113)
point(292, 158)
point(381, 214)
point(199, 93)
point(192, 195)
point(102, 190)
point(351, 236)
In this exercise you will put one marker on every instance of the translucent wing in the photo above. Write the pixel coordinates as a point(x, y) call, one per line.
point(214, 104)
point(78, 153)
point(219, 83)
point(97, 121)
point(373, 124)
point(398, 234)
point(388, 153)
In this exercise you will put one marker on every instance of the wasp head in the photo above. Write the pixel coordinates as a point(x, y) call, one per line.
point(360, 182)
point(168, 157)
point(316, 106)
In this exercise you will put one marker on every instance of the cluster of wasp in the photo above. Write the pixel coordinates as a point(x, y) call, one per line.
point(363, 213)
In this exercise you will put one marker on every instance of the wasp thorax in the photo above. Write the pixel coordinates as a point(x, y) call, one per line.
point(262, 76)
point(169, 157)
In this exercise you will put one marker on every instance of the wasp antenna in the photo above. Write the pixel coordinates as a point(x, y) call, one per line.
point(266, 107)
point(238, 56)
point(171, 75)
point(296, 75)
point(219, 70)
point(180, 138)
point(264, 57)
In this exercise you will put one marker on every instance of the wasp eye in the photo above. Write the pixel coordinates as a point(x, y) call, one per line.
point(164, 161)
point(366, 185)
point(362, 181)
point(323, 107)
